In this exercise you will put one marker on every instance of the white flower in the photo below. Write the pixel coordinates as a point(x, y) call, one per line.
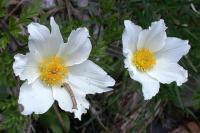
point(151, 57)
point(59, 71)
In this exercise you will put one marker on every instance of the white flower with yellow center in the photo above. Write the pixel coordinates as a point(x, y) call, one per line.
point(151, 57)
point(59, 71)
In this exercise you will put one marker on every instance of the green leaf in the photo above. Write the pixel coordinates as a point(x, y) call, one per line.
point(13, 121)
point(51, 121)
point(31, 11)
point(2, 12)
point(6, 74)
point(4, 40)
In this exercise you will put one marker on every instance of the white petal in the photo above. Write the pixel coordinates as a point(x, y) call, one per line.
point(90, 78)
point(65, 101)
point(130, 36)
point(128, 64)
point(150, 86)
point(82, 104)
point(85, 78)
point(154, 37)
point(35, 98)
point(39, 34)
point(78, 48)
point(26, 67)
point(42, 41)
point(174, 49)
point(166, 71)
point(62, 96)
point(55, 38)
point(55, 32)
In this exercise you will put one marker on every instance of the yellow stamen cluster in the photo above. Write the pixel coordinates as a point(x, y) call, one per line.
point(53, 71)
point(144, 59)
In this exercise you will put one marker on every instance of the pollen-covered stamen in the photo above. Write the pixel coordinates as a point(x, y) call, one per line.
point(53, 71)
point(144, 59)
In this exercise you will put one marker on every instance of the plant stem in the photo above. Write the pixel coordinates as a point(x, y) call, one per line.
point(60, 118)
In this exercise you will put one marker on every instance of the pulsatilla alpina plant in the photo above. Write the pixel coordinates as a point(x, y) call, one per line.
point(54, 70)
point(151, 56)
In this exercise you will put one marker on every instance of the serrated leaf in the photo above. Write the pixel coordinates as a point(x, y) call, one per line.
point(4, 41)
point(31, 10)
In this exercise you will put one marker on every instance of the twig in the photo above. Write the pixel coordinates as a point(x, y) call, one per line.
point(54, 11)
point(150, 118)
point(93, 110)
point(13, 10)
point(133, 117)
point(115, 53)
point(29, 126)
point(68, 88)
point(60, 118)
point(68, 5)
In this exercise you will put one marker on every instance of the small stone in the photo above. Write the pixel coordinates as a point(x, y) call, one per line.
point(82, 3)
point(194, 128)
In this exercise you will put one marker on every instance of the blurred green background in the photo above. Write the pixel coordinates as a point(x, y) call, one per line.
point(174, 109)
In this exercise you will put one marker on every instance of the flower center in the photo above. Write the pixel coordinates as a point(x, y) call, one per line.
point(53, 71)
point(144, 59)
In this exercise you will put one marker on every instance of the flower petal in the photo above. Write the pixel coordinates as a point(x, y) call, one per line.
point(166, 71)
point(130, 36)
point(35, 97)
point(128, 63)
point(42, 41)
point(82, 104)
point(150, 86)
point(55, 38)
point(90, 78)
point(39, 34)
point(154, 37)
point(26, 67)
point(78, 48)
point(61, 95)
point(65, 101)
point(55, 32)
point(174, 49)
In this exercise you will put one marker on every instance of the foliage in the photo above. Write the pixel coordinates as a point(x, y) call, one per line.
point(13, 122)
